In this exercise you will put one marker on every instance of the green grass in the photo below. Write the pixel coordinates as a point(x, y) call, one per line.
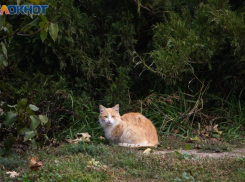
point(101, 162)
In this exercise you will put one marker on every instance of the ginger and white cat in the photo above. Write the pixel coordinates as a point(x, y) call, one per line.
point(129, 130)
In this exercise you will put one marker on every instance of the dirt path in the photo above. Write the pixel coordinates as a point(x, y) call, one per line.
point(234, 153)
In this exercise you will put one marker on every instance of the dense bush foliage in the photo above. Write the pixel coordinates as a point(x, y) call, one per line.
point(188, 55)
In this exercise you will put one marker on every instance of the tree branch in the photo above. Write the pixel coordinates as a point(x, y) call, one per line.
point(13, 34)
point(143, 7)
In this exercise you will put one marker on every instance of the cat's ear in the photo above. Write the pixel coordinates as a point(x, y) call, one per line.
point(102, 108)
point(116, 107)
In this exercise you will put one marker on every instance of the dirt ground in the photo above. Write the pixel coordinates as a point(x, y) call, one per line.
point(238, 152)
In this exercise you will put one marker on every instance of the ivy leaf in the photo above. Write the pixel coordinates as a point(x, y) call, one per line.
point(35, 121)
point(29, 135)
point(33, 107)
point(53, 30)
point(43, 119)
point(10, 118)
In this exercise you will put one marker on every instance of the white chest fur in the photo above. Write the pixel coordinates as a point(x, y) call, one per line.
point(108, 129)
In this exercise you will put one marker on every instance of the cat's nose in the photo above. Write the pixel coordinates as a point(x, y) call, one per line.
point(109, 122)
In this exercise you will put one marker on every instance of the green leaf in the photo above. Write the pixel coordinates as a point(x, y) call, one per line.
point(31, 24)
point(33, 144)
point(43, 119)
point(53, 30)
point(185, 175)
point(23, 130)
point(29, 135)
point(22, 103)
point(46, 137)
point(5, 63)
point(188, 147)
point(35, 121)
point(41, 24)
point(44, 18)
point(27, 28)
point(4, 50)
point(29, 111)
point(9, 29)
point(34, 22)
point(178, 153)
point(48, 125)
point(33, 107)
point(8, 143)
point(10, 118)
point(43, 35)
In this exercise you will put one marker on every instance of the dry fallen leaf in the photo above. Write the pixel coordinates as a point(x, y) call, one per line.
point(96, 165)
point(80, 137)
point(147, 151)
point(84, 136)
point(195, 139)
point(102, 138)
point(214, 139)
point(215, 128)
point(206, 135)
point(69, 140)
point(34, 165)
point(93, 162)
point(176, 131)
point(168, 147)
point(12, 174)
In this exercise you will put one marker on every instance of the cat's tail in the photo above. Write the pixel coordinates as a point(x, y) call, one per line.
point(130, 145)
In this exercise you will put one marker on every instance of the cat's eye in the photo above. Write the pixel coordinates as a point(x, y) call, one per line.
point(113, 116)
point(105, 116)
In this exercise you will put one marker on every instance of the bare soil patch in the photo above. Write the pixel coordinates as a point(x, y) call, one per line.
point(238, 152)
